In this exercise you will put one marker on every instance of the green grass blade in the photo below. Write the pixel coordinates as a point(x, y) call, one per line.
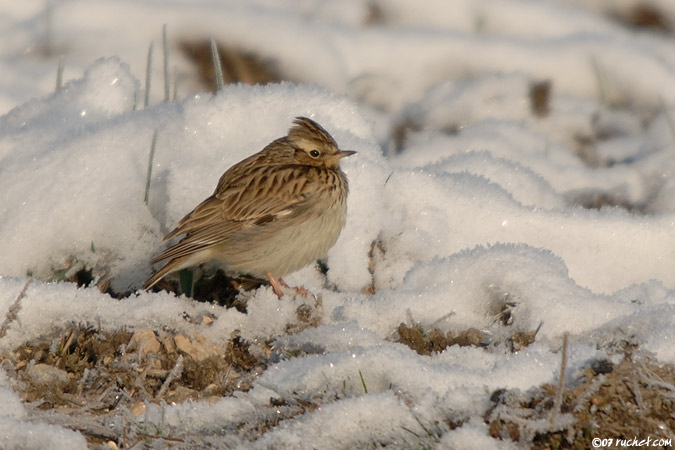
point(150, 160)
point(186, 280)
point(217, 66)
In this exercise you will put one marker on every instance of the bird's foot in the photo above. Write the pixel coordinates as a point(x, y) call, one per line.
point(297, 290)
point(277, 284)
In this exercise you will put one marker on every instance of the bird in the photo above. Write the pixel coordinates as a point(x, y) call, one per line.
point(271, 214)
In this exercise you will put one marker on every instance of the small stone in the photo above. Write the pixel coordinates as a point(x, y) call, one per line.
point(602, 366)
point(168, 343)
point(158, 373)
point(145, 342)
point(471, 337)
point(154, 364)
point(179, 394)
point(46, 374)
point(198, 348)
point(137, 409)
point(207, 320)
point(522, 339)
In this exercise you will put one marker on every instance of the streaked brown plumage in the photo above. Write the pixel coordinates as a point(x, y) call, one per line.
point(271, 214)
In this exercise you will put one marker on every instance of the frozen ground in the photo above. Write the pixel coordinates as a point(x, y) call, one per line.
point(464, 203)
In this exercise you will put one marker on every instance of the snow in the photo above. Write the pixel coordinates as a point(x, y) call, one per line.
point(473, 210)
point(17, 432)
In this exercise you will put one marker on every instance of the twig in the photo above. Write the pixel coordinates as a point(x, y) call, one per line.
point(561, 382)
point(13, 311)
point(652, 380)
point(176, 372)
point(584, 398)
point(636, 388)
point(85, 423)
point(83, 381)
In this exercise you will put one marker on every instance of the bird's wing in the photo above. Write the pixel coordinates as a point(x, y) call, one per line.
point(267, 193)
point(260, 197)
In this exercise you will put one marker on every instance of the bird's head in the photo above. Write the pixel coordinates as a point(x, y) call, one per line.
point(313, 146)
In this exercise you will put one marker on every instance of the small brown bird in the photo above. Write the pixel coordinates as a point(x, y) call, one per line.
point(271, 214)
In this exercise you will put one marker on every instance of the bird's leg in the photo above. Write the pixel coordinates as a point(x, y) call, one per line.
point(275, 285)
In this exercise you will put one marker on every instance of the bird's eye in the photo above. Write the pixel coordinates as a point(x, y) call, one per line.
point(314, 153)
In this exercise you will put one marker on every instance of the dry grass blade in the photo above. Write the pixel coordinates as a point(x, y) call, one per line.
point(540, 98)
point(59, 74)
point(561, 383)
point(668, 116)
point(13, 310)
point(49, 29)
point(148, 75)
point(165, 50)
point(635, 387)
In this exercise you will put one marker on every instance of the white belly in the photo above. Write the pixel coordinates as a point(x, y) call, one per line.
point(285, 247)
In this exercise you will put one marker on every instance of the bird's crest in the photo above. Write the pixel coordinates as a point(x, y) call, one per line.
point(307, 129)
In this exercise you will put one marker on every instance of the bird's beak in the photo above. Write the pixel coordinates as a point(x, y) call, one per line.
point(334, 160)
point(344, 153)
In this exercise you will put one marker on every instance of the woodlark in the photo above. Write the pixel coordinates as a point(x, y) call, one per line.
point(271, 214)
